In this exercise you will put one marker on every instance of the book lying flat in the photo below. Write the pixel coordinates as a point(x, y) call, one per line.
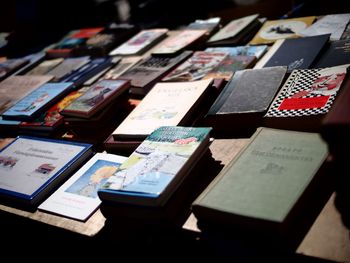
point(265, 187)
point(77, 197)
point(38, 101)
point(32, 167)
point(157, 167)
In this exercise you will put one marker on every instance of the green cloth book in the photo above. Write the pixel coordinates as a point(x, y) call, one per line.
point(262, 187)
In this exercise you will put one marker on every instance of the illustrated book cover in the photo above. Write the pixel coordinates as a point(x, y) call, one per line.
point(139, 43)
point(267, 185)
point(96, 97)
point(157, 167)
point(77, 197)
point(167, 104)
point(37, 101)
point(305, 98)
point(257, 51)
point(31, 167)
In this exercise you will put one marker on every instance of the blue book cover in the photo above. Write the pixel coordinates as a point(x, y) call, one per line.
point(37, 101)
point(30, 167)
point(156, 168)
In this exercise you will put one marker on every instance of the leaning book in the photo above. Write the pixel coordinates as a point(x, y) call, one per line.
point(157, 167)
point(32, 167)
point(77, 197)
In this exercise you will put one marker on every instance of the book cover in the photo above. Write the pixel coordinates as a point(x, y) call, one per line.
point(37, 101)
point(281, 29)
point(337, 53)
point(9, 66)
point(77, 197)
point(67, 66)
point(263, 187)
point(125, 64)
point(305, 52)
point(96, 97)
point(244, 100)
point(149, 71)
point(233, 28)
point(15, 88)
point(196, 67)
point(31, 167)
point(153, 172)
point(45, 67)
point(179, 41)
point(33, 60)
point(305, 98)
point(258, 51)
point(140, 42)
point(167, 104)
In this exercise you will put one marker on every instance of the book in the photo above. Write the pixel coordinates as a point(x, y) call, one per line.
point(305, 98)
point(334, 24)
point(267, 186)
point(77, 197)
point(33, 60)
point(45, 66)
point(180, 41)
point(167, 104)
point(37, 101)
point(337, 53)
point(244, 101)
point(272, 30)
point(15, 88)
point(67, 66)
point(211, 25)
point(156, 169)
point(257, 51)
point(145, 74)
point(30, 168)
point(96, 98)
point(234, 31)
point(196, 67)
point(9, 66)
point(305, 52)
point(121, 67)
point(139, 43)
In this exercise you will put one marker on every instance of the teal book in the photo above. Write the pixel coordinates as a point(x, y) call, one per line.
point(157, 167)
point(37, 101)
point(264, 186)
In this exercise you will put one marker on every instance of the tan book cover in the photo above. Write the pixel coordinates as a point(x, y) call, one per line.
point(281, 29)
point(167, 104)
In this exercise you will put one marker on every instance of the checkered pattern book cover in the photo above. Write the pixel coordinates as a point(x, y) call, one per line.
point(308, 92)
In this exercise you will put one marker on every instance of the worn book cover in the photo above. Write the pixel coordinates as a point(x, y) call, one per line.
point(179, 41)
point(139, 43)
point(157, 167)
point(266, 186)
point(37, 101)
point(281, 29)
point(305, 98)
point(96, 97)
point(77, 197)
point(15, 88)
point(167, 104)
point(196, 67)
point(31, 167)
point(244, 100)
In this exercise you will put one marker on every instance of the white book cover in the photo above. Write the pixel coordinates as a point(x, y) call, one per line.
point(233, 28)
point(165, 105)
point(77, 198)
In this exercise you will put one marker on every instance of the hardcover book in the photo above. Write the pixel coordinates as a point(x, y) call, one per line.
point(9, 66)
point(33, 60)
point(45, 67)
point(67, 66)
point(196, 67)
point(123, 65)
point(179, 41)
point(95, 98)
point(258, 51)
point(305, 52)
point(167, 104)
point(156, 169)
point(244, 101)
point(337, 53)
point(139, 43)
point(15, 88)
point(267, 185)
point(281, 29)
point(144, 75)
point(32, 167)
point(233, 32)
point(77, 197)
point(305, 98)
point(37, 101)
